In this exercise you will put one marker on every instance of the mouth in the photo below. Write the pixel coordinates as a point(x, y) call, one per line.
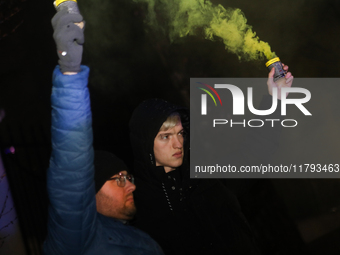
point(178, 155)
point(130, 198)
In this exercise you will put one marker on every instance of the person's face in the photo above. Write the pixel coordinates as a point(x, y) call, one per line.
point(168, 148)
point(116, 202)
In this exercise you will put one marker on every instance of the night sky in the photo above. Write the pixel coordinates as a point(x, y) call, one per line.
point(131, 62)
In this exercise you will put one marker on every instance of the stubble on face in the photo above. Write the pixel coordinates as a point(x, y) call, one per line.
point(112, 202)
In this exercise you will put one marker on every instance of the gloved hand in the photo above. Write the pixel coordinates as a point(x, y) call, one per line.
point(69, 39)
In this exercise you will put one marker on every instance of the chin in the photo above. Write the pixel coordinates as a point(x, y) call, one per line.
point(130, 213)
point(177, 164)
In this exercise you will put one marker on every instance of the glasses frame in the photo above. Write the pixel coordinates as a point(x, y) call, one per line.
point(121, 179)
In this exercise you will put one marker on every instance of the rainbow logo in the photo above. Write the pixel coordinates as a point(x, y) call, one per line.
point(213, 90)
point(204, 97)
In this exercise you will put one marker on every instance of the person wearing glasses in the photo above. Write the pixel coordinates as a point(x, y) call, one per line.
point(90, 193)
point(114, 187)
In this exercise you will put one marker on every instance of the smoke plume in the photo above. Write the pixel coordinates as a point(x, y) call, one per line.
point(179, 18)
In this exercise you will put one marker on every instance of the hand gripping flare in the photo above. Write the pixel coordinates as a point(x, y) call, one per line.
point(68, 34)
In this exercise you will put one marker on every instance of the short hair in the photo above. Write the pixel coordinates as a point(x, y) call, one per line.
point(173, 119)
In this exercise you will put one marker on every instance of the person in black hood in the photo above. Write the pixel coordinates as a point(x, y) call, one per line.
point(185, 216)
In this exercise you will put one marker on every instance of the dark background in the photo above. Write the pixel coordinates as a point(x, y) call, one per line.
point(129, 65)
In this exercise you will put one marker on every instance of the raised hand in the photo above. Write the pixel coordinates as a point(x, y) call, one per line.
point(287, 81)
point(69, 38)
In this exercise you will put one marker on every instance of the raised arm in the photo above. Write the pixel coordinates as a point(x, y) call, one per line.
point(260, 144)
point(72, 210)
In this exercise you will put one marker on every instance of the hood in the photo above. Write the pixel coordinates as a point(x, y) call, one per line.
point(144, 125)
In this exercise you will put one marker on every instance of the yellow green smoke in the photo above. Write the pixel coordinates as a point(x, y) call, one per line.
point(180, 18)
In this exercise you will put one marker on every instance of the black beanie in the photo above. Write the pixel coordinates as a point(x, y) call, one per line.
point(106, 165)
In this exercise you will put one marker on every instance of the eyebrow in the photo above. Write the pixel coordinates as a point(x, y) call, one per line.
point(168, 133)
point(165, 133)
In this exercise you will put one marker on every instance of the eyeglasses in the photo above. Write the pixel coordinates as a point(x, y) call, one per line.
point(121, 179)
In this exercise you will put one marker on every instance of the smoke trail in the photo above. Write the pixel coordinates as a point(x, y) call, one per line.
point(190, 17)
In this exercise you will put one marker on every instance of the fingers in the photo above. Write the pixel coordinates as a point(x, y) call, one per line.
point(57, 17)
point(68, 33)
point(70, 18)
point(284, 66)
point(270, 81)
point(78, 34)
point(271, 73)
point(63, 18)
point(289, 81)
point(289, 74)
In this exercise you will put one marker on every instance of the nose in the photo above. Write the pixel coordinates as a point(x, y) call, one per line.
point(178, 142)
point(130, 187)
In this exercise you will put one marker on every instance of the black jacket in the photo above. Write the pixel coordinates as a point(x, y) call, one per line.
point(185, 216)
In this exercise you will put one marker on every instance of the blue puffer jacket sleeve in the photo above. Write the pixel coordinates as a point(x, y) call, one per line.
point(72, 211)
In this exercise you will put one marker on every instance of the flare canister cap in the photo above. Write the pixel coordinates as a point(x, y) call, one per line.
point(273, 60)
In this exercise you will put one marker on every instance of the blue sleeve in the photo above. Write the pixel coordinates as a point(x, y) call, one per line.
point(72, 210)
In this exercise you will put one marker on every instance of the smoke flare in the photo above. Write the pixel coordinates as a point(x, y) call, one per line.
point(190, 17)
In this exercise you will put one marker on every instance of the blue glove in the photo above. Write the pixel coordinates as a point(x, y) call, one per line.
point(69, 39)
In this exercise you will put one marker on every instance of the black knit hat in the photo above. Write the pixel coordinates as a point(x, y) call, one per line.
point(106, 165)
